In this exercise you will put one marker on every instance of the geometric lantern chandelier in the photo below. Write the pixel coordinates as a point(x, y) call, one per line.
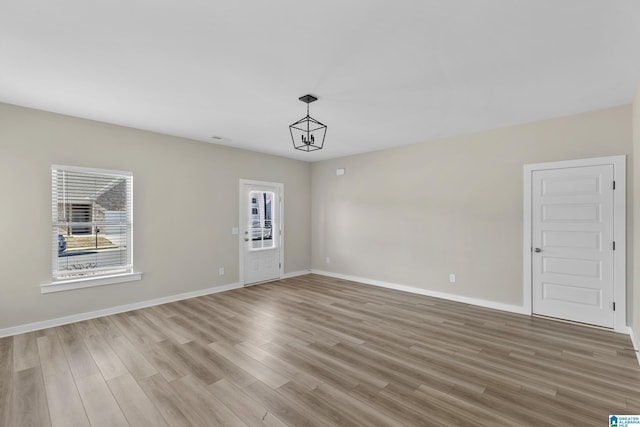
point(307, 133)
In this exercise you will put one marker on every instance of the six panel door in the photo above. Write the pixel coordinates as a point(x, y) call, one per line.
point(572, 239)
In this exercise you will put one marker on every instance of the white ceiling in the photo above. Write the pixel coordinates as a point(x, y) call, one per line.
point(387, 73)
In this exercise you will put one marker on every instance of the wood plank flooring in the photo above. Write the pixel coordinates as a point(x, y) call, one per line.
point(316, 351)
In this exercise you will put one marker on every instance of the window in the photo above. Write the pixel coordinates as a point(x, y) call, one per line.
point(92, 224)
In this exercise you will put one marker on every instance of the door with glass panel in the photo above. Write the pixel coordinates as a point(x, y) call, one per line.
point(260, 228)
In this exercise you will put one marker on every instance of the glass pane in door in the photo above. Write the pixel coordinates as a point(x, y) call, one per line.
point(261, 215)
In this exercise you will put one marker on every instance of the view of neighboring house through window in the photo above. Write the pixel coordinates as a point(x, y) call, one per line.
point(92, 222)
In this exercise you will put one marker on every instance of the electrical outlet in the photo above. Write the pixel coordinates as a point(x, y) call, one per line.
point(452, 278)
point(328, 260)
point(221, 271)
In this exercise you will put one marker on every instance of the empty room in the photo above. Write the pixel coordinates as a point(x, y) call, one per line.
point(363, 213)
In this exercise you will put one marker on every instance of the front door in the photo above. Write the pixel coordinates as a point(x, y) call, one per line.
point(260, 219)
point(572, 244)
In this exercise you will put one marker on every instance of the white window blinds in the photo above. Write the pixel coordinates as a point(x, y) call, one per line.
point(92, 222)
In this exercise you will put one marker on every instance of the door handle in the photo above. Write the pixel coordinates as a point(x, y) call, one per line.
point(538, 250)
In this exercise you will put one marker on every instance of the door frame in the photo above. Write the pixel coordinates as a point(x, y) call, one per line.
point(280, 187)
point(619, 231)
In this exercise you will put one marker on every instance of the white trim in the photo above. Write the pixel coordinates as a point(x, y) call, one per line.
point(89, 282)
point(15, 330)
point(280, 187)
point(619, 231)
point(256, 182)
point(635, 343)
point(295, 274)
point(91, 170)
point(411, 289)
point(527, 267)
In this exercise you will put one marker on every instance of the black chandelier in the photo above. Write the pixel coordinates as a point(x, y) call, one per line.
point(307, 133)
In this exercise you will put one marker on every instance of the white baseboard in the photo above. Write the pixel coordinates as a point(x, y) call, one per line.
point(295, 274)
point(15, 330)
point(452, 297)
point(634, 341)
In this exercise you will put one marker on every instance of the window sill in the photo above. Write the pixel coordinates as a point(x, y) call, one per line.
point(89, 282)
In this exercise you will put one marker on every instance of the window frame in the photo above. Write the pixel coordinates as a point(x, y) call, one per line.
point(119, 275)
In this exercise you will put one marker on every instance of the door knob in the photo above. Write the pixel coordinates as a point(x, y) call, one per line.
point(538, 250)
point(246, 240)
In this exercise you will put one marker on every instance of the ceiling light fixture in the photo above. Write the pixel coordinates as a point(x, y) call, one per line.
point(307, 133)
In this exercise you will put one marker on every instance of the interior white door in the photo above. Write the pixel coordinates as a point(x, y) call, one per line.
point(572, 239)
point(261, 233)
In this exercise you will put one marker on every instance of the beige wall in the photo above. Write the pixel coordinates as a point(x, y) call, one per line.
point(185, 204)
point(409, 215)
point(636, 217)
point(412, 215)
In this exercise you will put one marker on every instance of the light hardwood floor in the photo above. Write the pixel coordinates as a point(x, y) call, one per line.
point(316, 351)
